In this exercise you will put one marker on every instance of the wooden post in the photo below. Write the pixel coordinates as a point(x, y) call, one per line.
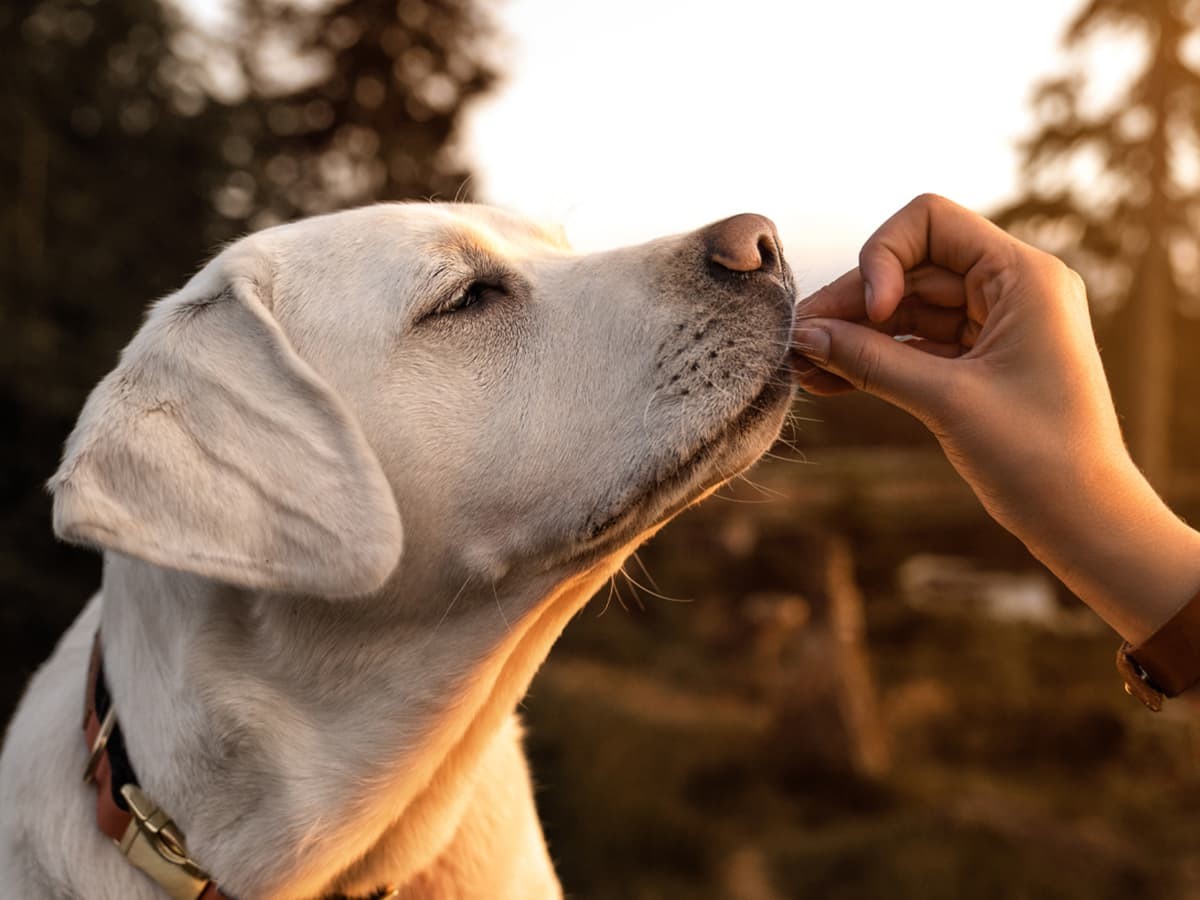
point(856, 695)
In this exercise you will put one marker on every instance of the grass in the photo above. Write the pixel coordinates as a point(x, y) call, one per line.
point(671, 764)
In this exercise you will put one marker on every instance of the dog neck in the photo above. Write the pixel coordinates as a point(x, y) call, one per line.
point(306, 746)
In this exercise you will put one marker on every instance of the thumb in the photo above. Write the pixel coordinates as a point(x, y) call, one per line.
point(875, 363)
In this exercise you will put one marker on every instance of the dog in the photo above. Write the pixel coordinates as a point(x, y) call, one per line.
point(350, 483)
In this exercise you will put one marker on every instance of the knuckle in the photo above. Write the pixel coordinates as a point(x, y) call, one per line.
point(872, 257)
point(997, 273)
point(1058, 276)
point(1048, 266)
point(1073, 289)
point(1074, 281)
point(930, 201)
point(865, 366)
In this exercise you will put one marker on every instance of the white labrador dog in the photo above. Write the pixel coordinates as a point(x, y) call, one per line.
point(350, 483)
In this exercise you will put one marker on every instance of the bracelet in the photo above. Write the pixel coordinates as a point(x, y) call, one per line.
point(1168, 662)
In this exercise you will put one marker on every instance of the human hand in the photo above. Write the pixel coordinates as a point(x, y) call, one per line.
point(1003, 368)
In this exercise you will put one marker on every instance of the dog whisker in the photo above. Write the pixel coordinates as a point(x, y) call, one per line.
point(637, 557)
point(446, 612)
point(636, 584)
point(500, 609)
point(608, 599)
point(636, 597)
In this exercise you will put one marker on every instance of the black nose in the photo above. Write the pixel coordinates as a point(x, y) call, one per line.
point(745, 243)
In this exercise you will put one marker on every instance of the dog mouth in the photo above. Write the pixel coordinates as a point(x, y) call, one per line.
point(729, 450)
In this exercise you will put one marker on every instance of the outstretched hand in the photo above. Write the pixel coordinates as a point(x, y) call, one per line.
point(999, 360)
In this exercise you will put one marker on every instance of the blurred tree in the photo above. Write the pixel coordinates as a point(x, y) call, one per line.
point(367, 110)
point(130, 150)
point(97, 108)
point(1113, 187)
point(107, 164)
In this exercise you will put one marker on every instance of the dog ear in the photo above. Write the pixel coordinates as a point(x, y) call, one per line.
point(215, 449)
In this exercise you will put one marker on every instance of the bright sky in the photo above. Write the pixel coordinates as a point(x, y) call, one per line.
point(628, 119)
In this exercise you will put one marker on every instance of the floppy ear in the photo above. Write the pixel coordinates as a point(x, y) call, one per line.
point(213, 448)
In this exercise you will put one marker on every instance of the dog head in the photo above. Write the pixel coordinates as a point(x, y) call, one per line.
point(449, 372)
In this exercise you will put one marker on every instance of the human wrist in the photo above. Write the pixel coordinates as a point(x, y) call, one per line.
point(1122, 551)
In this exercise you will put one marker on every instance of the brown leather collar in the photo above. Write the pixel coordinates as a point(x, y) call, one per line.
point(142, 831)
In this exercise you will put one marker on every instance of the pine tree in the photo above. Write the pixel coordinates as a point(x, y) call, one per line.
point(108, 160)
point(372, 110)
point(122, 168)
point(1108, 189)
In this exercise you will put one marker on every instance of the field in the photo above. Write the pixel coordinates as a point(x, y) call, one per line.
point(757, 743)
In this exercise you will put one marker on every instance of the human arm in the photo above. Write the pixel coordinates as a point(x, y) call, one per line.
point(1005, 372)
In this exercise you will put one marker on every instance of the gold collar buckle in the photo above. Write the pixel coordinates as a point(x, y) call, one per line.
point(155, 845)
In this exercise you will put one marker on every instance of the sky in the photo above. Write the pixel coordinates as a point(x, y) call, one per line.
point(624, 120)
point(627, 119)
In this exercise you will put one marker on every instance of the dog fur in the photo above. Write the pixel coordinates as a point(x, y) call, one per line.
point(350, 483)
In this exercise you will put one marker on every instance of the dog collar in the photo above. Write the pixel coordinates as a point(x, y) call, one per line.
point(145, 835)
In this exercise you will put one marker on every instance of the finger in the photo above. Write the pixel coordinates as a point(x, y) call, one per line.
point(923, 320)
point(939, 348)
point(811, 378)
point(929, 229)
point(820, 383)
point(970, 333)
point(877, 364)
point(840, 299)
point(936, 285)
point(816, 381)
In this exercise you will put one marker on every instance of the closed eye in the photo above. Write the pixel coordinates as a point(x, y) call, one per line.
point(475, 294)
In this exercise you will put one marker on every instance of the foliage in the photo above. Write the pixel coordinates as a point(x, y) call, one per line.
point(374, 117)
point(1113, 188)
point(108, 164)
point(131, 152)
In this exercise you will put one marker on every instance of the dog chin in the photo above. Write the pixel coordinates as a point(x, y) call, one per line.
point(732, 449)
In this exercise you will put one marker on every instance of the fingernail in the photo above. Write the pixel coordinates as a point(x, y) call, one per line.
point(812, 343)
point(868, 297)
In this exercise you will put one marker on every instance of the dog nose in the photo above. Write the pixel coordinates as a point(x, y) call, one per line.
point(745, 243)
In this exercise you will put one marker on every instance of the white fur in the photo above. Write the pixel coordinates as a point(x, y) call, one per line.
point(320, 704)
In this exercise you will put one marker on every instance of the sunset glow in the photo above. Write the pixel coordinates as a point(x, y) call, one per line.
point(625, 120)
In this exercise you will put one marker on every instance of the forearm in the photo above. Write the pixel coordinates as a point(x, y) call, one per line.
point(1121, 550)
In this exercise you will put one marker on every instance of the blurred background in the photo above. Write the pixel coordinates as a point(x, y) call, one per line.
point(836, 679)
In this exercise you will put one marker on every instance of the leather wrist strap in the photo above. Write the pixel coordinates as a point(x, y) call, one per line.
point(1168, 662)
